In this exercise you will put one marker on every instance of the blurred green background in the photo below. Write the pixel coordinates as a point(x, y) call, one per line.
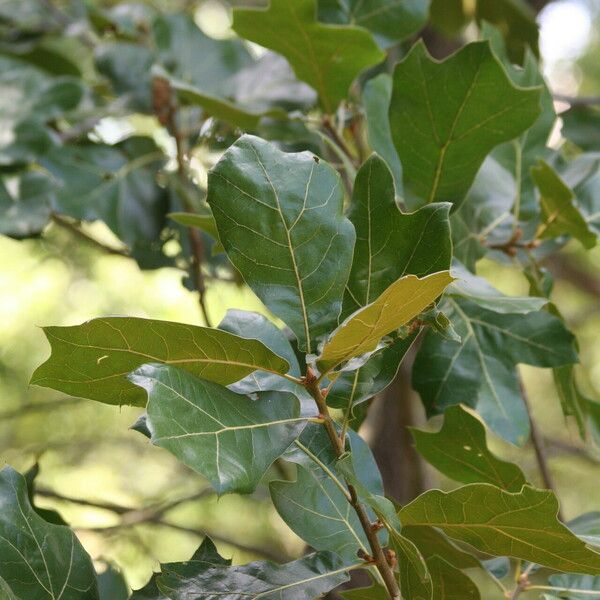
point(86, 450)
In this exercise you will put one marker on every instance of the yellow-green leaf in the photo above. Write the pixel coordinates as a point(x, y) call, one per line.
point(398, 304)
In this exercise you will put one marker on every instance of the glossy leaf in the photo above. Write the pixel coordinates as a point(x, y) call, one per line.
point(91, 360)
point(522, 525)
point(280, 220)
point(377, 94)
point(228, 438)
point(390, 20)
point(444, 128)
point(308, 577)
point(397, 305)
point(39, 560)
point(327, 57)
point(559, 214)
point(459, 450)
point(391, 244)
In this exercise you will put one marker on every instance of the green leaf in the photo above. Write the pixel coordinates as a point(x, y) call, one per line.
point(112, 585)
point(205, 223)
point(581, 125)
point(583, 177)
point(280, 220)
point(390, 20)
point(391, 244)
point(114, 184)
point(354, 387)
point(315, 506)
point(477, 289)
point(517, 21)
point(91, 360)
point(522, 525)
point(251, 325)
point(308, 577)
point(567, 586)
point(377, 94)
point(484, 216)
point(375, 592)
point(449, 583)
point(327, 57)
point(459, 451)
point(444, 375)
point(228, 438)
point(414, 576)
point(397, 305)
point(559, 213)
point(39, 560)
point(25, 204)
point(445, 126)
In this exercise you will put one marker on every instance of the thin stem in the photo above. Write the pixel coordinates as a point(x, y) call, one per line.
point(82, 235)
point(518, 175)
point(540, 450)
point(325, 468)
point(379, 558)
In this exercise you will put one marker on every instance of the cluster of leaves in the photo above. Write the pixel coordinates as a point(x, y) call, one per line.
point(362, 255)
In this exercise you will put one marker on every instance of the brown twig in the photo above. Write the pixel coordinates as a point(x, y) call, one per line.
point(165, 109)
point(540, 450)
point(82, 235)
point(379, 558)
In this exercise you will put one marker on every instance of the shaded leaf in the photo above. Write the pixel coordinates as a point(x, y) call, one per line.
point(114, 184)
point(91, 360)
point(375, 592)
point(327, 57)
point(559, 214)
point(581, 125)
point(449, 583)
point(112, 585)
point(522, 525)
point(39, 560)
point(443, 373)
point(391, 244)
point(377, 94)
point(567, 586)
point(459, 450)
point(390, 20)
point(444, 128)
point(397, 305)
point(25, 204)
point(414, 576)
point(307, 577)
point(583, 176)
point(228, 438)
point(280, 220)
point(355, 387)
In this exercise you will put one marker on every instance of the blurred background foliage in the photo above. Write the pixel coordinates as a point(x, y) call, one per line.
point(128, 516)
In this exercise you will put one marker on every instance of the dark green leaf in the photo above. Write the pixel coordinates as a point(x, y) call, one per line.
point(414, 576)
point(583, 177)
point(228, 438)
point(581, 125)
point(39, 560)
point(112, 585)
point(91, 360)
point(377, 95)
point(327, 57)
point(444, 374)
point(459, 450)
point(308, 577)
point(391, 244)
point(115, 184)
point(354, 387)
point(280, 219)
point(390, 20)
point(25, 204)
point(559, 214)
point(449, 583)
point(375, 592)
point(444, 128)
point(522, 525)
